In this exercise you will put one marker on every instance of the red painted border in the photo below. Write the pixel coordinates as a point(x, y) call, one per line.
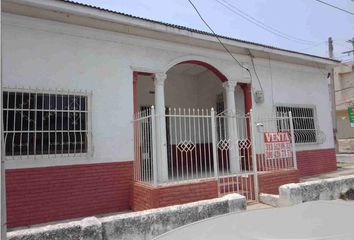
point(200, 63)
point(209, 67)
point(40, 195)
point(269, 182)
point(313, 162)
point(147, 197)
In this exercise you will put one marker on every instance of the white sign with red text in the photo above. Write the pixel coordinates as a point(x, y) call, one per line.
point(277, 145)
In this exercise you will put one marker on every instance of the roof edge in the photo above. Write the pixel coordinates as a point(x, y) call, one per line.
point(77, 8)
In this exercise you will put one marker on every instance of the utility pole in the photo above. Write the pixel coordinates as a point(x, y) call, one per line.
point(332, 94)
point(330, 48)
point(3, 225)
point(350, 51)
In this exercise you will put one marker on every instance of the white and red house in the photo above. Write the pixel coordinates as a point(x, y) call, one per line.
point(82, 139)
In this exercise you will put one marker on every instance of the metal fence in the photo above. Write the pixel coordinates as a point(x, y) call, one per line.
point(46, 123)
point(145, 145)
point(227, 147)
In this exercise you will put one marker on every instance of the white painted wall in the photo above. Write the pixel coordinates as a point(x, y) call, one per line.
point(45, 54)
point(295, 84)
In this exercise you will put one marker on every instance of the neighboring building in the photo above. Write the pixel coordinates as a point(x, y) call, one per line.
point(82, 139)
point(344, 91)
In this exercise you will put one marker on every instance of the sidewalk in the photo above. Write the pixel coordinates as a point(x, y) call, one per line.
point(345, 158)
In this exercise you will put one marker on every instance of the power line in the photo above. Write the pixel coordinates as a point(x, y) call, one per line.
point(217, 37)
point(313, 46)
point(260, 24)
point(338, 8)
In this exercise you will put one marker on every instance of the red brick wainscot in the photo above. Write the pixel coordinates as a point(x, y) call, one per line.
point(312, 162)
point(269, 182)
point(147, 197)
point(40, 195)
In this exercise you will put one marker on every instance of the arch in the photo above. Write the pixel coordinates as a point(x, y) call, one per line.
point(198, 60)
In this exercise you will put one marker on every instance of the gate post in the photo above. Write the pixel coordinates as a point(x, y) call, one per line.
point(214, 144)
point(292, 139)
point(254, 156)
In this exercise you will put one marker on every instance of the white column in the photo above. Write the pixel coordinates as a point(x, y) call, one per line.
point(161, 143)
point(234, 157)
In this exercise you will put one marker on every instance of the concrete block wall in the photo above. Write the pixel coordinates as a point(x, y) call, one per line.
point(327, 189)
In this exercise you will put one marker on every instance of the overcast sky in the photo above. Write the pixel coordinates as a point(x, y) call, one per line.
point(307, 23)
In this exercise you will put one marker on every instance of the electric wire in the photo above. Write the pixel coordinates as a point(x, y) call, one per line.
point(333, 6)
point(217, 37)
point(254, 69)
point(260, 24)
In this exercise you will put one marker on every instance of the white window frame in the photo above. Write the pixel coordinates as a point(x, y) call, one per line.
point(58, 156)
point(315, 119)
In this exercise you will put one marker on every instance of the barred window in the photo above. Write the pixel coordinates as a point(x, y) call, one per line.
point(45, 123)
point(304, 122)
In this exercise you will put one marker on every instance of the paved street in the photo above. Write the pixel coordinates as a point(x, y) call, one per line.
point(311, 220)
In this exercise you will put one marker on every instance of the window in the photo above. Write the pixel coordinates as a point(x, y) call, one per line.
point(45, 123)
point(304, 122)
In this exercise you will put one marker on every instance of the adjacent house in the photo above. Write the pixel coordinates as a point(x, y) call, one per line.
point(107, 112)
point(344, 91)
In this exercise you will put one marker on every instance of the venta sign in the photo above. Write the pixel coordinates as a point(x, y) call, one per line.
point(277, 145)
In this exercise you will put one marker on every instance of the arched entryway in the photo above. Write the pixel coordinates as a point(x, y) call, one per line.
point(194, 119)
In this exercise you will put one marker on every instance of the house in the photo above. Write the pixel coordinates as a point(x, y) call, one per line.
point(106, 112)
point(344, 91)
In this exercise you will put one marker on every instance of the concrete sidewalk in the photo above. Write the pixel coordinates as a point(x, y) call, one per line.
point(345, 158)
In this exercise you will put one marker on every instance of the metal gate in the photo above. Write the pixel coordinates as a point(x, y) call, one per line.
point(248, 145)
point(234, 148)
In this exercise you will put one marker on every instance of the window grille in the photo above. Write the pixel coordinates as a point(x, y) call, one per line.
point(45, 123)
point(304, 122)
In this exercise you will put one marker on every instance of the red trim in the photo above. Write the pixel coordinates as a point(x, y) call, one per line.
point(313, 162)
point(247, 93)
point(200, 63)
point(45, 194)
point(209, 67)
point(135, 84)
point(147, 197)
point(246, 87)
point(269, 182)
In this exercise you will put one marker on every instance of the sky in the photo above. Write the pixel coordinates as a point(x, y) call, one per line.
point(303, 25)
